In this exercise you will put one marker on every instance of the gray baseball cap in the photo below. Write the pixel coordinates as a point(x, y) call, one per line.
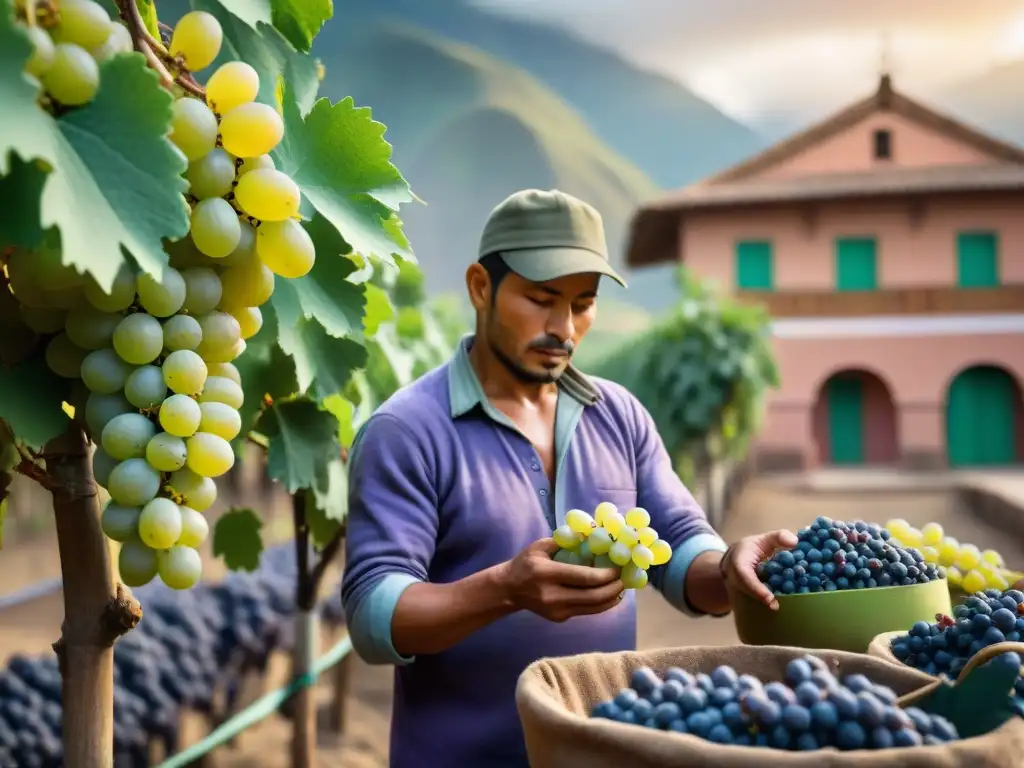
point(543, 236)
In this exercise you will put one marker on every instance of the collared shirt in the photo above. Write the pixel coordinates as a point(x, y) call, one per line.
point(444, 485)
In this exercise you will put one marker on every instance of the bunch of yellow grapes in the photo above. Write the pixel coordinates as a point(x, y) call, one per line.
point(967, 567)
point(609, 539)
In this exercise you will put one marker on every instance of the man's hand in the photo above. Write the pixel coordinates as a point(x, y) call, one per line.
point(557, 591)
point(741, 561)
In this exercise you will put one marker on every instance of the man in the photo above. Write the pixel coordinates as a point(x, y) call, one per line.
point(459, 479)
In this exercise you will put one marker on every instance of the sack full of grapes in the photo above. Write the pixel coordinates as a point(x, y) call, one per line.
point(741, 706)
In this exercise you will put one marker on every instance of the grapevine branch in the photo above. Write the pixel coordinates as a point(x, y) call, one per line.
point(157, 56)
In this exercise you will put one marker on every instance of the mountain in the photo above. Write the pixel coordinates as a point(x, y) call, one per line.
point(666, 130)
point(993, 100)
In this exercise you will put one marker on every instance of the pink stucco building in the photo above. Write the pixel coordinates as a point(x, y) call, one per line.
point(888, 244)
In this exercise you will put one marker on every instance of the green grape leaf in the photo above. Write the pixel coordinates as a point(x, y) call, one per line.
point(322, 526)
point(339, 158)
point(249, 37)
point(33, 412)
point(265, 369)
point(111, 159)
point(147, 9)
point(332, 502)
point(237, 539)
point(378, 309)
point(303, 442)
point(21, 190)
point(323, 363)
point(344, 411)
point(298, 20)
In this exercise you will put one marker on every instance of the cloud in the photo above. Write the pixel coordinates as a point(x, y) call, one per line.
point(783, 61)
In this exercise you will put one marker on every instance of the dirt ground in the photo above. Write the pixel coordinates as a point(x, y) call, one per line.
point(32, 627)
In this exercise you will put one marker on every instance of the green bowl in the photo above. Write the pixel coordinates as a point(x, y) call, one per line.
point(846, 620)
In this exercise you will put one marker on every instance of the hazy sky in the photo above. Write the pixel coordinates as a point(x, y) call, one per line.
point(784, 61)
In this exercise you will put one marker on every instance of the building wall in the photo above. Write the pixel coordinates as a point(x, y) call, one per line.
point(913, 145)
point(916, 243)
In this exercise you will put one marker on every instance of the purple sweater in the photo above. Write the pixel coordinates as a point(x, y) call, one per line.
point(442, 485)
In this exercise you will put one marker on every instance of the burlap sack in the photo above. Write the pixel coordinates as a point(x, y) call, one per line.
point(555, 697)
point(881, 647)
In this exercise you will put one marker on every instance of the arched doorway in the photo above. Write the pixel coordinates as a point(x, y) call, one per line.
point(854, 420)
point(984, 418)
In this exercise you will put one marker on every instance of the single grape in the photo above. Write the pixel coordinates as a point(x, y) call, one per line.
point(211, 175)
point(250, 320)
point(125, 437)
point(600, 541)
point(251, 129)
point(602, 510)
point(197, 38)
point(246, 248)
point(91, 328)
point(145, 387)
point(579, 521)
point(614, 523)
point(248, 284)
point(214, 228)
point(119, 523)
point(194, 528)
point(43, 52)
point(74, 76)
point(118, 41)
point(193, 128)
point(627, 535)
point(101, 408)
point(219, 389)
point(565, 537)
point(44, 320)
point(202, 290)
point(568, 556)
point(166, 452)
point(182, 331)
point(233, 84)
point(209, 455)
point(180, 415)
point(164, 296)
point(136, 563)
point(225, 371)
point(180, 567)
point(633, 576)
point(647, 536)
point(199, 492)
point(102, 465)
point(661, 551)
point(83, 22)
point(620, 554)
point(220, 419)
point(160, 524)
point(133, 483)
point(642, 557)
point(638, 518)
point(139, 339)
point(285, 247)
point(184, 372)
point(103, 371)
point(64, 357)
point(220, 334)
point(121, 293)
point(254, 163)
point(236, 349)
point(268, 195)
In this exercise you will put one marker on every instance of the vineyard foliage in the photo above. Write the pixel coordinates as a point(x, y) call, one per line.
point(113, 182)
point(702, 372)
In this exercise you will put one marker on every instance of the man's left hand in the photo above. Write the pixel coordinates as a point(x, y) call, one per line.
point(740, 563)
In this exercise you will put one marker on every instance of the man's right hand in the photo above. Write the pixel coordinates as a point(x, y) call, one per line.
point(557, 591)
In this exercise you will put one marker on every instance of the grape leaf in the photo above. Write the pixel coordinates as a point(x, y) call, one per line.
point(263, 48)
point(303, 442)
point(33, 412)
point(111, 161)
point(332, 503)
point(237, 538)
point(265, 369)
point(378, 309)
point(323, 363)
point(147, 10)
point(298, 20)
point(21, 190)
point(322, 526)
point(339, 158)
point(344, 411)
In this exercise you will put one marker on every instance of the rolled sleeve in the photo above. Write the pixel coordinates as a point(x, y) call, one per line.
point(675, 514)
point(392, 530)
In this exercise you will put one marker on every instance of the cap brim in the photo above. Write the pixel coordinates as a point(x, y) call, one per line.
point(539, 265)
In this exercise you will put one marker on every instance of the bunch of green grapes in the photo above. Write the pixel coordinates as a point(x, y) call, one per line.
point(68, 47)
point(609, 539)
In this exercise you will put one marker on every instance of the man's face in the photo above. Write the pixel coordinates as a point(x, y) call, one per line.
point(534, 328)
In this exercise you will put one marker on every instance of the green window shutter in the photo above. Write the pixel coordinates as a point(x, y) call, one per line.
point(856, 264)
point(754, 270)
point(977, 260)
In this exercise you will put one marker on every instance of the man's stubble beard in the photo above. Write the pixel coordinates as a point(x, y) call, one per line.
point(517, 370)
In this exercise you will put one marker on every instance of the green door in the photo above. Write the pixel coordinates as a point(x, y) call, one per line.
point(856, 264)
point(980, 418)
point(846, 420)
point(977, 260)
